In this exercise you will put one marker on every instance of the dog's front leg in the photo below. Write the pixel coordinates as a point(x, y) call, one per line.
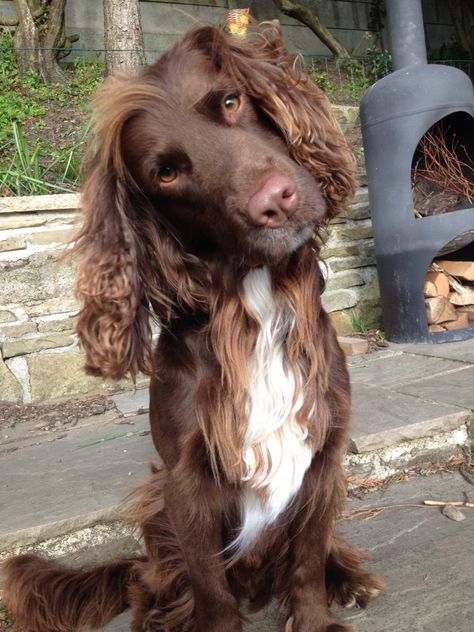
point(196, 511)
point(312, 533)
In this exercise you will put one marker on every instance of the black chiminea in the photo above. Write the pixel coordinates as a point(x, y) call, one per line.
point(396, 112)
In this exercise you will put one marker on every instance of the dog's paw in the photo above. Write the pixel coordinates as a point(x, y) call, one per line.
point(358, 592)
point(331, 627)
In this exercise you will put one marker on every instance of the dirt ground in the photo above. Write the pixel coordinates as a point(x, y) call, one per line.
point(55, 415)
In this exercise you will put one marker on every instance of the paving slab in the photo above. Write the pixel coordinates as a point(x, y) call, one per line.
point(382, 417)
point(462, 351)
point(451, 388)
point(425, 558)
point(57, 476)
point(401, 369)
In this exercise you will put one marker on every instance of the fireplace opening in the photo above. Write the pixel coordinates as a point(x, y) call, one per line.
point(442, 171)
point(449, 287)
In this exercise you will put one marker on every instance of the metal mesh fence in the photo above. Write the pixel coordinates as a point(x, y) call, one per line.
point(343, 80)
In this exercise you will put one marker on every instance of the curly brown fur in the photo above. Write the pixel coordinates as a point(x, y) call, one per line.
point(45, 597)
point(208, 177)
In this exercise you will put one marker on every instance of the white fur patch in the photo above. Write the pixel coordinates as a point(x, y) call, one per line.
point(275, 397)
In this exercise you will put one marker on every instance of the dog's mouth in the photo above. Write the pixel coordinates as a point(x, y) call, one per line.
point(269, 246)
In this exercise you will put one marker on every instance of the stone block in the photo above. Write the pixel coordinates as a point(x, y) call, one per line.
point(368, 307)
point(342, 322)
point(339, 219)
point(35, 278)
point(57, 324)
point(355, 232)
point(366, 257)
point(339, 251)
point(12, 243)
point(338, 299)
point(347, 116)
point(359, 211)
point(10, 389)
point(21, 220)
point(42, 238)
point(18, 329)
point(34, 220)
point(362, 195)
point(19, 368)
point(58, 374)
point(6, 316)
point(56, 305)
point(344, 280)
point(35, 203)
point(33, 345)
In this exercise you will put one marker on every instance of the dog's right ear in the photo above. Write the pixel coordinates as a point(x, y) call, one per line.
point(130, 264)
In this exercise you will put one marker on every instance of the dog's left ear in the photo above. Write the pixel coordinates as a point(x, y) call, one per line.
point(299, 109)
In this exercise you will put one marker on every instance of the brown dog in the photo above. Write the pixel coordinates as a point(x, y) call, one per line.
point(211, 173)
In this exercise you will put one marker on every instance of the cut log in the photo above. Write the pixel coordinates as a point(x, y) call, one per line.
point(461, 323)
point(464, 297)
point(463, 269)
point(436, 284)
point(468, 309)
point(436, 329)
point(439, 310)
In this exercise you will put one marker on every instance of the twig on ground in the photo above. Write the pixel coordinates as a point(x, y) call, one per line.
point(451, 503)
point(367, 513)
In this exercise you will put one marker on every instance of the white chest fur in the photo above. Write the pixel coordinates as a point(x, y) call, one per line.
point(276, 450)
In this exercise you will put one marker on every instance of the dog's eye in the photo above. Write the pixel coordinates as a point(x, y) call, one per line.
point(167, 174)
point(232, 103)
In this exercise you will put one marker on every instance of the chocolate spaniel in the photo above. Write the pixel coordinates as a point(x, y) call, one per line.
point(210, 176)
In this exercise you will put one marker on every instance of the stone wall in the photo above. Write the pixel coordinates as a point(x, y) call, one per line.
point(39, 353)
point(39, 357)
point(352, 291)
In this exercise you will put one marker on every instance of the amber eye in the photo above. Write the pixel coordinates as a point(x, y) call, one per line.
point(232, 103)
point(167, 174)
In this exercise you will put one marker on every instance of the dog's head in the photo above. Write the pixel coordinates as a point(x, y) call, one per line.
point(222, 152)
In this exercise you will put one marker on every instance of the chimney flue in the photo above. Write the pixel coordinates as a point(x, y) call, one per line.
point(407, 35)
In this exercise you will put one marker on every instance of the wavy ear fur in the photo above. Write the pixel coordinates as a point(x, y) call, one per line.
point(131, 265)
point(298, 108)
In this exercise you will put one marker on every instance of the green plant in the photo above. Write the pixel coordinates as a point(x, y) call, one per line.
point(41, 137)
point(358, 83)
point(321, 77)
point(7, 56)
point(358, 323)
point(33, 171)
point(86, 78)
point(379, 62)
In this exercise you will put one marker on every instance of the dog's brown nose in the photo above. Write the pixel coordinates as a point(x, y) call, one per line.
point(274, 202)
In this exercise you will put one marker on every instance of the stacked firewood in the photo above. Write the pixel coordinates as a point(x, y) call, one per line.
point(449, 295)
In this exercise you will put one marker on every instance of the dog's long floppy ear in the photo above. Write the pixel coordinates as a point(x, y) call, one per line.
point(299, 109)
point(130, 265)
